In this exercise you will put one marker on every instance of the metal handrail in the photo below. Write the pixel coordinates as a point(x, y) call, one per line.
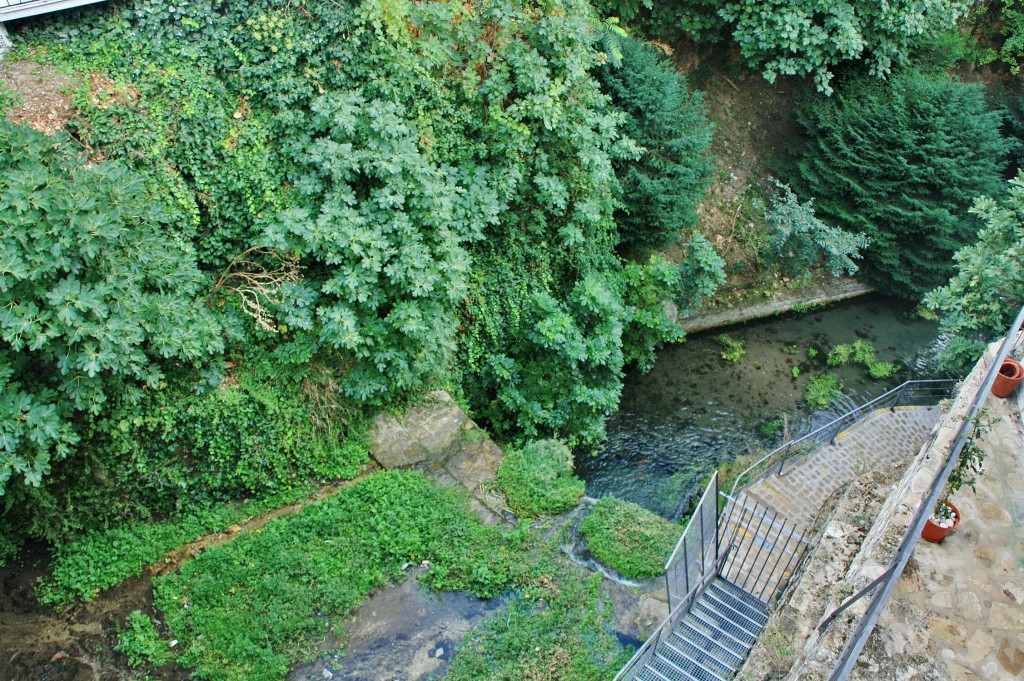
point(888, 400)
point(856, 643)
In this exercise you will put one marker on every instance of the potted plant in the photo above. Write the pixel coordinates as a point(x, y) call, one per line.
point(1010, 375)
point(943, 520)
point(945, 516)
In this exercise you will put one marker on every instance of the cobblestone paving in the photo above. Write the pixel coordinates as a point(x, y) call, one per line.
point(884, 437)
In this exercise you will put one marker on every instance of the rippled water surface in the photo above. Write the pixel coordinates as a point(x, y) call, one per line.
point(694, 410)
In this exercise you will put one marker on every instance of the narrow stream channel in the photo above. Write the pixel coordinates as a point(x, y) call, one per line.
point(694, 410)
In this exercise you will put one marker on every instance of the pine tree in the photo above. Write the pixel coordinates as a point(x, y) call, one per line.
point(902, 161)
point(663, 187)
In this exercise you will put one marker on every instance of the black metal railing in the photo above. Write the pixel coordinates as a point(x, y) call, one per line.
point(910, 393)
point(883, 588)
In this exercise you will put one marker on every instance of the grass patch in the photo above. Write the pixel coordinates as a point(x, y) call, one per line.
point(82, 569)
point(562, 630)
point(629, 538)
point(139, 641)
point(538, 479)
point(252, 608)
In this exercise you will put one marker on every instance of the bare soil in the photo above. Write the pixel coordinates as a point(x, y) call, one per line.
point(42, 95)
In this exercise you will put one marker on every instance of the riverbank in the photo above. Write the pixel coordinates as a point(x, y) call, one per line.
point(832, 291)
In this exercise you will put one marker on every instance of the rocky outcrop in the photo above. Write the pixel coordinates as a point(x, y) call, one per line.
point(437, 437)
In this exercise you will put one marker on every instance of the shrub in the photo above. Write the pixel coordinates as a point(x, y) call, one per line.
point(798, 241)
point(538, 479)
point(95, 297)
point(629, 538)
point(902, 161)
point(980, 302)
point(663, 187)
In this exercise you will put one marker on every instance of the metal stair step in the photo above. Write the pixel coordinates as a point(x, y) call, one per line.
point(697, 637)
point(693, 650)
point(758, 613)
point(714, 632)
point(650, 674)
point(677, 671)
point(740, 594)
point(723, 621)
point(737, 614)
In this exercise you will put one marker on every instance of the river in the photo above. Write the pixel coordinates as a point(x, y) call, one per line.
point(695, 410)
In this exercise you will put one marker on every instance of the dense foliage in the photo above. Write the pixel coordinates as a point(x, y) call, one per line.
point(629, 538)
point(812, 38)
point(538, 479)
point(982, 299)
point(95, 297)
point(798, 241)
point(664, 186)
point(901, 162)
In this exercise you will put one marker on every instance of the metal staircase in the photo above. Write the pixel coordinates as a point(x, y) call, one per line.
point(721, 578)
point(714, 638)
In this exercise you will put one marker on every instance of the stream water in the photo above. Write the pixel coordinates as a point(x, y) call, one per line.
point(695, 410)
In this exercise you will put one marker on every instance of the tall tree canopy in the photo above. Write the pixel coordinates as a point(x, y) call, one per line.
point(902, 161)
point(664, 186)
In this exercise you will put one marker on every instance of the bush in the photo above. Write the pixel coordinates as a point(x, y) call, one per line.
point(798, 241)
point(664, 186)
point(96, 297)
point(628, 538)
point(538, 479)
point(902, 162)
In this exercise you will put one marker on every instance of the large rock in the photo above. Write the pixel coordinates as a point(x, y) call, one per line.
point(438, 438)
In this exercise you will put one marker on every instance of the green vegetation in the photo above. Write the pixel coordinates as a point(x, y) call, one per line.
point(732, 349)
point(823, 390)
point(982, 299)
point(663, 187)
point(629, 538)
point(249, 608)
point(861, 352)
point(83, 567)
point(538, 479)
point(902, 161)
point(798, 241)
point(140, 642)
point(557, 630)
point(96, 297)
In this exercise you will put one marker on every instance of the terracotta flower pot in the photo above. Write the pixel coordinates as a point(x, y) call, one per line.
point(934, 532)
point(1010, 375)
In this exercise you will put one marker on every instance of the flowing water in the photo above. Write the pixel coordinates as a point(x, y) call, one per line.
point(694, 410)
